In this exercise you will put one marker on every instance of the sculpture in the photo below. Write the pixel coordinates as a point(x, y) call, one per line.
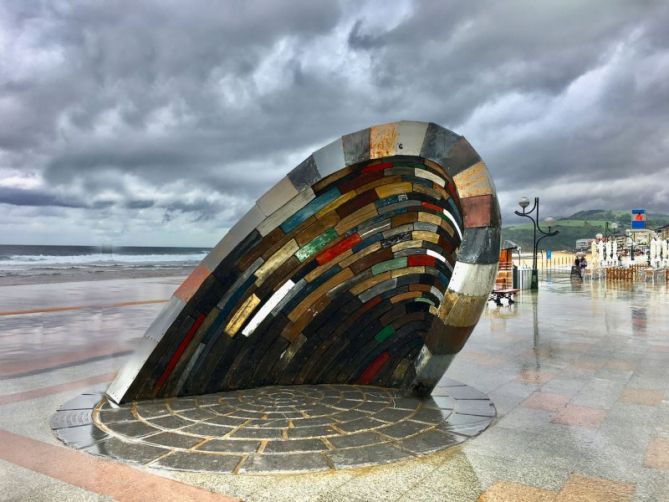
point(614, 255)
point(665, 253)
point(654, 252)
point(601, 253)
point(369, 263)
point(595, 254)
point(609, 252)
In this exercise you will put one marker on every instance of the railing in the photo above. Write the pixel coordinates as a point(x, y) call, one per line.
point(555, 264)
point(616, 274)
point(629, 273)
point(635, 273)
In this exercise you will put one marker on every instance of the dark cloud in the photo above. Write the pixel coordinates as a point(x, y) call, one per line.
point(358, 39)
point(139, 204)
point(183, 112)
point(22, 197)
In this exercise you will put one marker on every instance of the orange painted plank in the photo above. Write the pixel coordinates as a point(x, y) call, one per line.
point(188, 288)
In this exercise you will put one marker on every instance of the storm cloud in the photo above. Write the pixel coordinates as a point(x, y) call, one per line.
point(160, 122)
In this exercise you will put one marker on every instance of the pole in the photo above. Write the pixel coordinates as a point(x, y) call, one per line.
point(632, 249)
point(534, 283)
point(535, 275)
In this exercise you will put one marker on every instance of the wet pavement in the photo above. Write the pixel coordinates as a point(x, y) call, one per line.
point(579, 379)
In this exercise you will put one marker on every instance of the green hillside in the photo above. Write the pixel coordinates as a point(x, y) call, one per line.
point(580, 225)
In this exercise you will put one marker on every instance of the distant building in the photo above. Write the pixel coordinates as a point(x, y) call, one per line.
point(663, 232)
point(583, 244)
point(642, 237)
point(621, 240)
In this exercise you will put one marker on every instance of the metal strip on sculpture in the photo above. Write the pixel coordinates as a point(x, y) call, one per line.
point(369, 263)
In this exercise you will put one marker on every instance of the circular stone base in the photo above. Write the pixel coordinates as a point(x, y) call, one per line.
point(276, 429)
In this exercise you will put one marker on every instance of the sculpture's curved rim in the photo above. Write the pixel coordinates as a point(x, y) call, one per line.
point(478, 254)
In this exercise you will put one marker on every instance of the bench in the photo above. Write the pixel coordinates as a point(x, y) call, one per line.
point(498, 294)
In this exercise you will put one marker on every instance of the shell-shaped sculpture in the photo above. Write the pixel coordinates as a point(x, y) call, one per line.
point(369, 263)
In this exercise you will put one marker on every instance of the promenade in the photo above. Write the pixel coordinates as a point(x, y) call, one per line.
point(579, 380)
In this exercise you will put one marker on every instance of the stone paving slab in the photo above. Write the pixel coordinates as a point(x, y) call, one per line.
point(306, 428)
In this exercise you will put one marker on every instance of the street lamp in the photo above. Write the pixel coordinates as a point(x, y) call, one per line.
point(524, 202)
point(613, 227)
point(550, 222)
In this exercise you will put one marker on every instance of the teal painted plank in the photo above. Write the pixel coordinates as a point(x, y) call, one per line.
point(393, 199)
point(393, 264)
point(317, 244)
point(310, 209)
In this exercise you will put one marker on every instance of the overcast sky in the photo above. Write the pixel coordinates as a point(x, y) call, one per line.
point(159, 123)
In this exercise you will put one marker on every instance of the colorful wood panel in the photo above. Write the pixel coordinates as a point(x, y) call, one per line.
point(369, 263)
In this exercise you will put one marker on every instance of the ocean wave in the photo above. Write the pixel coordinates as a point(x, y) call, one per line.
point(101, 260)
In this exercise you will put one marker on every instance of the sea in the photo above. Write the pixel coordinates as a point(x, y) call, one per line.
point(18, 261)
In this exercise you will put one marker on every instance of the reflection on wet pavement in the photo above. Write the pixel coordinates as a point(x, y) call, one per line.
point(72, 322)
point(578, 374)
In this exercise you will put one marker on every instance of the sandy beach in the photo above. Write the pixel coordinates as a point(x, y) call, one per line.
point(44, 326)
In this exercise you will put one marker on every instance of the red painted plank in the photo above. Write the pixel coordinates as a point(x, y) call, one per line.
point(450, 188)
point(373, 369)
point(434, 207)
point(421, 260)
point(333, 251)
point(179, 352)
point(377, 167)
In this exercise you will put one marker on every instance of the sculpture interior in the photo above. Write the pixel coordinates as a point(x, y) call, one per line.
point(611, 252)
point(369, 263)
point(659, 252)
point(655, 249)
point(614, 254)
point(594, 253)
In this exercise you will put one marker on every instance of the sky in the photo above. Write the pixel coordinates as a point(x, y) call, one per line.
point(160, 122)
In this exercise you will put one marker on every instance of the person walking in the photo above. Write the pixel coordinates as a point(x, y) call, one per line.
point(582, 264)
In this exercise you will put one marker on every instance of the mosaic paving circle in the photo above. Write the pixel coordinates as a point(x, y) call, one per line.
point(276, 429)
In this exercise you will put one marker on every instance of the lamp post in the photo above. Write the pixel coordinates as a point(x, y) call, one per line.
point(524, 202)
point(613, 226)
point(614, 246)
point(630, 243)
